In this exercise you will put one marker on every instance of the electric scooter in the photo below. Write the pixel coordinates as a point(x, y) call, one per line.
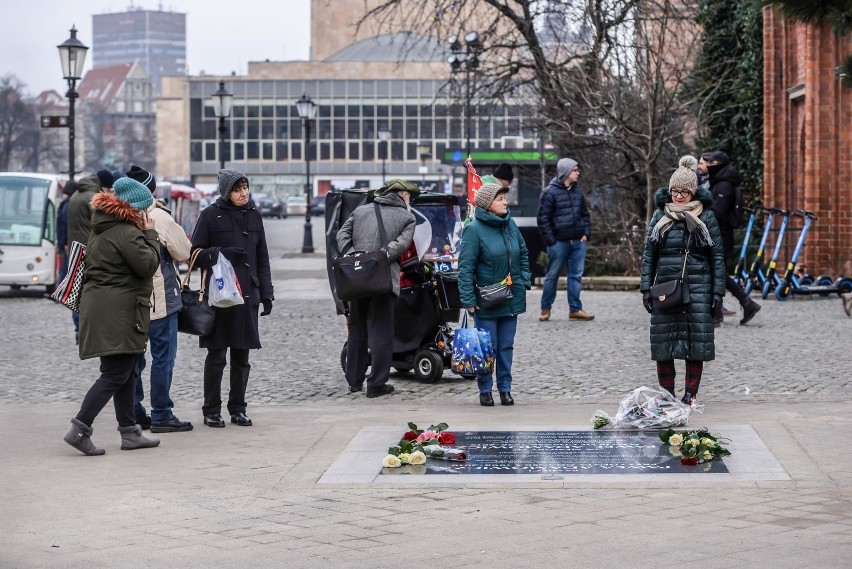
point(772, 278)
point(756, 276)
point(740, 274)
point(792, 284)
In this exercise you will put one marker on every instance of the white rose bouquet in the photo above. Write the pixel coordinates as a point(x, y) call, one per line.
point(694, 447)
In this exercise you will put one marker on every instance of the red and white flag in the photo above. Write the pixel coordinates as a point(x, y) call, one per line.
point(474, 182)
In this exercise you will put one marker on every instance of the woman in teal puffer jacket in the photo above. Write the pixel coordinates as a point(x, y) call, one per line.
point(492, 249)
point(684, 220)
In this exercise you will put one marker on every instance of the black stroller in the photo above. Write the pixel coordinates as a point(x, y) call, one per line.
point(429, 295)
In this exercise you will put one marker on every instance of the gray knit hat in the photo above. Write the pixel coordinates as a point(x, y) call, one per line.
point(227, 180)
point(486, 194)
point(135, 193)
point(684, 177)
point(564, 167)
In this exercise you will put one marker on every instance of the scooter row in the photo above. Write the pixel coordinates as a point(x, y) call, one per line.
point(765, 280)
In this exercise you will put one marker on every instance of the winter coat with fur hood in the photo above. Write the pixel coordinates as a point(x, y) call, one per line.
point(121, 259)
point(687, 334)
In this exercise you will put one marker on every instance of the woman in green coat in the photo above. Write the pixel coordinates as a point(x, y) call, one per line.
point(492, 249)
point(684, 222)
point(122, 255)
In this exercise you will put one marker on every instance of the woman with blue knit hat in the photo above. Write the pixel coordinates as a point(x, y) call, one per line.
point(122, 256)
point(233, 227)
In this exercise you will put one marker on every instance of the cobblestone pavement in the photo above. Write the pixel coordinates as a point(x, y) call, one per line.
point(798, 348)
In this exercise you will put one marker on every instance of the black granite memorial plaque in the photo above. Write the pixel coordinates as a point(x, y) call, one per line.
point(562, 452)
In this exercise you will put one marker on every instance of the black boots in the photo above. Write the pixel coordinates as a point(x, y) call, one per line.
point(486, 400)
point(79, 437)
point(749, 310)
point(687, 398)
point(506, 398)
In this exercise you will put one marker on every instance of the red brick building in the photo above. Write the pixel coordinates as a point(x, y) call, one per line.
point(807, 138)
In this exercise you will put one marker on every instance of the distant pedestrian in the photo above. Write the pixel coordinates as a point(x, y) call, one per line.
point(491, 250)
point(80, 215)
point(165, 305)
point(233, 227)
point(122, 257)
point(684, 221)
point(62, 245)
point(724, 179)
point(565, 226)
point(371, 319)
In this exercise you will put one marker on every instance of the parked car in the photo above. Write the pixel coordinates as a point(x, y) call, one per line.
point(318, 205)
point(297, 205)
point(271, 207)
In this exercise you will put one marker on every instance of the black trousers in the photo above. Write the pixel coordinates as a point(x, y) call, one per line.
point(370, 326)
point(118, 381)
point(214, 368)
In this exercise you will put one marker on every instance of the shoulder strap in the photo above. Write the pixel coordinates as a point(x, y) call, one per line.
point(188, 276)
point(383, 236)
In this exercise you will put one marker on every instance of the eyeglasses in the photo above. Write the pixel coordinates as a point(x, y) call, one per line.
point(681, 193)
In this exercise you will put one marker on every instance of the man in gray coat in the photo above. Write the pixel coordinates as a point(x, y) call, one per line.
point(371, 319)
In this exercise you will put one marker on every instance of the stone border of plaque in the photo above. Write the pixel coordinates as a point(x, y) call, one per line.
point(565, 455)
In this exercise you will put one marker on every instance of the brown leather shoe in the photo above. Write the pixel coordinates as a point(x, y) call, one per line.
point(545, 316)
point(580, 315)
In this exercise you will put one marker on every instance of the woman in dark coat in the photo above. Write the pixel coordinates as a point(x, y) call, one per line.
point(684, 220)
point(492, 248)
point(115, 309)
point(232, 226)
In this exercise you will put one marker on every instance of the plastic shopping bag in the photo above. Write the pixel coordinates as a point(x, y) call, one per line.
point(647, 408)
point(473, 353)
point(224, 287)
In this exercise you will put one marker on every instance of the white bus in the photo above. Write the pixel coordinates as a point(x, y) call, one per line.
point(28, 255)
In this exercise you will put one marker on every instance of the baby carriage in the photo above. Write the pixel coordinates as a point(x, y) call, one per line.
point(429, 295)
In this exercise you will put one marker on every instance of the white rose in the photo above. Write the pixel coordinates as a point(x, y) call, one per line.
point(405, 458)
point(708, 442)
point(391, 461)
point(676, 440)
point(707, 455)
point(417, 457)
point(693, 442)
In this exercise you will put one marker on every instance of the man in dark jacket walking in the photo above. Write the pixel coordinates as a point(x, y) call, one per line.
point(724, 180)
point(371, 318)
point(565, 227)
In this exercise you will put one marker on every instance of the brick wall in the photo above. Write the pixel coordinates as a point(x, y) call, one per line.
point(807, 139)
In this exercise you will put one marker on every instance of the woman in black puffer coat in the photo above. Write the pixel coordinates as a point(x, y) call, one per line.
point(684, 220)
point(232, 226)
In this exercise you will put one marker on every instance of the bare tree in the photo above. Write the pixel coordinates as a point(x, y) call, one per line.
point(18, 126)
point(600, 78)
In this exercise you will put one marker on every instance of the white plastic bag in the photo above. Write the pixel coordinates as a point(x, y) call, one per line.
point(224, 287)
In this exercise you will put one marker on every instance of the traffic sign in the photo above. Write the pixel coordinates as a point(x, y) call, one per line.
point(54, 121)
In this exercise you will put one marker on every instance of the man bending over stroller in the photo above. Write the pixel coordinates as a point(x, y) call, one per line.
point(371, 319)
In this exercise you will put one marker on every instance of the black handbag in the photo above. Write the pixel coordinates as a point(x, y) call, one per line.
point(361, 275)
point(668, 296)
point(494, 295)
point(196, 317)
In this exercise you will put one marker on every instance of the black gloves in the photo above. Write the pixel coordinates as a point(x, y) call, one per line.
point(267, 307)
point(233, 254)
point(646, 300)
point(717, 302)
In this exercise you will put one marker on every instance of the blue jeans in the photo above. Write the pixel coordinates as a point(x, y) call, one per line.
point(502, 332)
point(562, 253)
point(163, 338)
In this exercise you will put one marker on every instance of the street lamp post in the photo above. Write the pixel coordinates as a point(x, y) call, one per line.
point(307, 111)
point(425, 151)
point(469, 59)
point(384, 135)
point(72, 54)
point(222, 110)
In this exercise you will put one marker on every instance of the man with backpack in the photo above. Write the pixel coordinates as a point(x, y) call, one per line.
point(728, 207)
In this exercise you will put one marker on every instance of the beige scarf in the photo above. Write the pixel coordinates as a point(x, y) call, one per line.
point(688, 213)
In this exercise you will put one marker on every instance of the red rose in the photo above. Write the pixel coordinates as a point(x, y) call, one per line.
point(689, 460)
point(461, 456)
point(446, 438)
point(409, 436)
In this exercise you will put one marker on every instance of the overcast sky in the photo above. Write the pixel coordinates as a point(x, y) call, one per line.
point(221, 35)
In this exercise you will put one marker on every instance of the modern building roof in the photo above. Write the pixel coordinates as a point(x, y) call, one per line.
point(397, 47)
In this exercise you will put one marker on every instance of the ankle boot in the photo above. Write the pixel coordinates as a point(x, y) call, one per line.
point(132, 438)
point(688, 398)
point(506, 398)
point(79, 437)
point(749, 310)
